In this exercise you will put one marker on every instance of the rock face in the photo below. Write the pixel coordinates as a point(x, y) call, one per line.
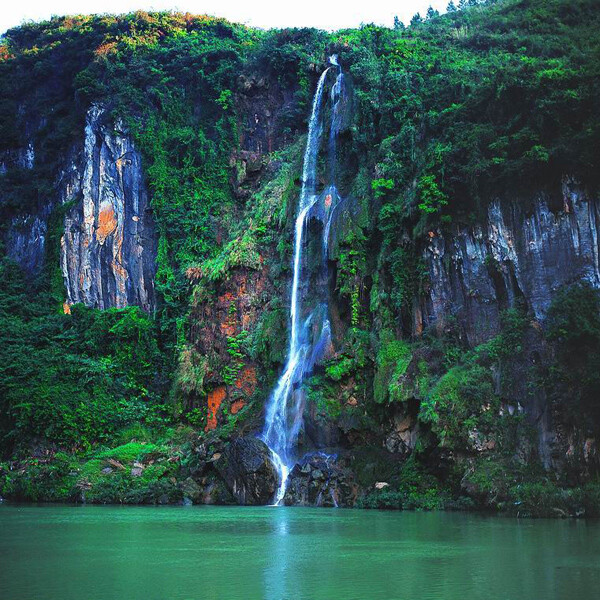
point(26, 240)
point(248, 471)
point(518, 253)
point(319, 480)
point(26, 237)
point(109, 245)
point(108, 248)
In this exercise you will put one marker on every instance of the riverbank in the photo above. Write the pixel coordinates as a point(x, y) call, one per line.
point(182, 467)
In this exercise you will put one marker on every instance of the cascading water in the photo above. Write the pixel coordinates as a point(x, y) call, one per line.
point(310, 334)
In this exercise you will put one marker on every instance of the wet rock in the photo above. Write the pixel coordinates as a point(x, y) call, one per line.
point(319, 480)
point(248, 471)
point(191, 490)
point(214, 491)
point(317, 474)
point(403, 436)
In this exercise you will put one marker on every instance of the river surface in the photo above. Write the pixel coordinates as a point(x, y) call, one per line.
point(221, 553)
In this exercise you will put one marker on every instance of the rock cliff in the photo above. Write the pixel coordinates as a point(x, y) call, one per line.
point(108, 248)
point(523, 251)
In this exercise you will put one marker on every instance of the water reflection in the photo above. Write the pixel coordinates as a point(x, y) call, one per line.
point(215, 553)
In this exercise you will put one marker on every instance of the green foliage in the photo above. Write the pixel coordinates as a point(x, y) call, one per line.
point(128, 452)
point(461, 404)
point(40, 480)
point(431, 198)
point(340, 368)
point(381, 186)
point(265, 343)
point(236, 352)
point(72, 379)
point(573, 324)
point(392, 360)
point(414, 489)
point(461, 108)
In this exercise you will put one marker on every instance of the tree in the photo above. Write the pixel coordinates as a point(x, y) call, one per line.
point(431, 13)
point(416, 20)
point(451, 7)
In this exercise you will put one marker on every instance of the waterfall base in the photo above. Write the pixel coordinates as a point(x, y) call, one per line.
point(319, 480)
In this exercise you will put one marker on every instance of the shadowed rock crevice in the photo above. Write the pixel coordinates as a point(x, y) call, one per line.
point(515, 255)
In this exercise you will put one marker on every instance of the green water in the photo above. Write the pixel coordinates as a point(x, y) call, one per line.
point(172, 553)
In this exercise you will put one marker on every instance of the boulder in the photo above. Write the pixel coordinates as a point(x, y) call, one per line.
point(215, 491)
point(191, 490)
point(248, 471)
point(320, 480)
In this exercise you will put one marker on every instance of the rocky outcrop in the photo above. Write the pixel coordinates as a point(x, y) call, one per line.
point(230, 378)
point(248, 471)
point(109, 245)
point(264, 110)
point(26, 240)
point(26, 237)
point(319, 480)
point(20, 158)
point(108, 248)
point(522, 251)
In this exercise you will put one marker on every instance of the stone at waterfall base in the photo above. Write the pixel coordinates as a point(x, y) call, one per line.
point(318, 480)
point(248, 471)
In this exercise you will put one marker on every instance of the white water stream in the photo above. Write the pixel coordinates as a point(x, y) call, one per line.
point(310, 335)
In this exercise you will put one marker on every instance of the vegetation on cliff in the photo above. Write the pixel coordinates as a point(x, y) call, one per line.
point(498, 99)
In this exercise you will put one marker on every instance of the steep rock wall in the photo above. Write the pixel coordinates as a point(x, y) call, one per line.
point(521, 251)
point(109, 246)
point(26, 237)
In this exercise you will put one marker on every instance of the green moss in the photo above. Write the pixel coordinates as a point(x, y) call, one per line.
point(392, 360)
point(461, 402)
point(341, 368)
point(127, 452)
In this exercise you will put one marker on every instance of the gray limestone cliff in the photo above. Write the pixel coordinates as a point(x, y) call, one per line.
point(108, 248)
point(523, 251)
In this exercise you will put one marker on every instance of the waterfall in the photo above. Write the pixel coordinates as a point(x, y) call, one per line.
point(310, 335)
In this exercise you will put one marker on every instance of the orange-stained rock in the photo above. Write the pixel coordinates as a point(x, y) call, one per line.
point(107, 223)
point(66, 308)
point(215, 398)
point(246, 380)
point(237, 406)
point(228, 328)
point(108, 246)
